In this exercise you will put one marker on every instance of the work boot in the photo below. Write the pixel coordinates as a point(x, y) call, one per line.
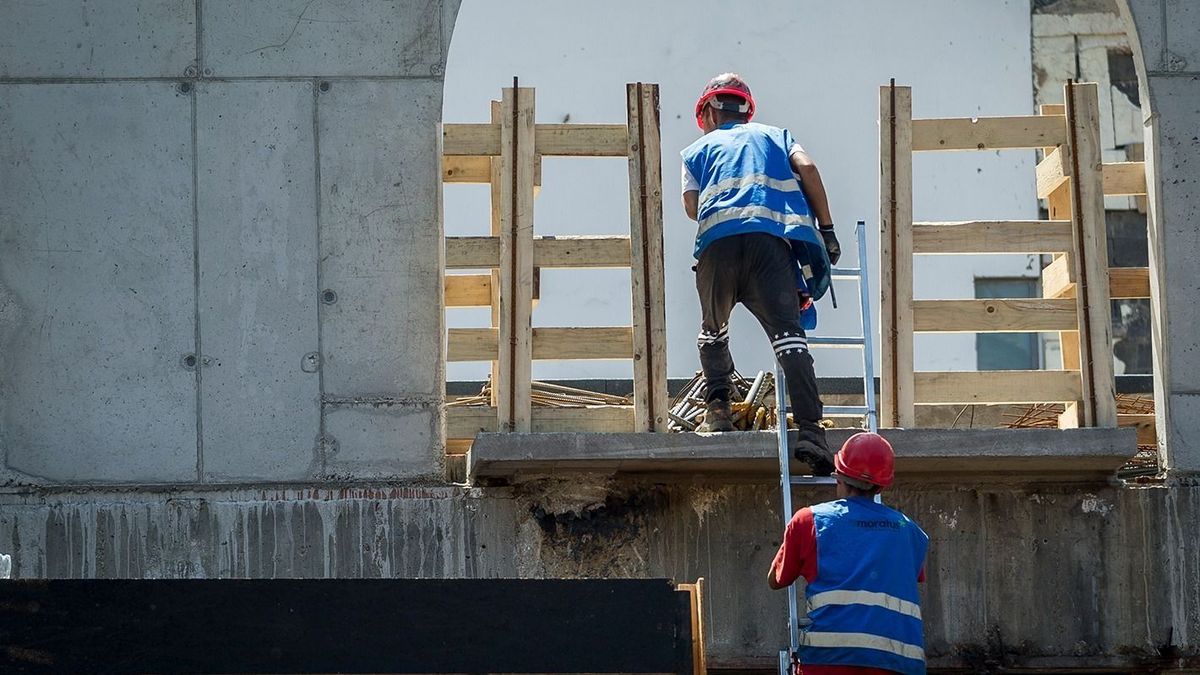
point(718, 417)
point(812, 449)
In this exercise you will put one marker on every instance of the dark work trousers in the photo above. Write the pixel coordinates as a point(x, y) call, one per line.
point(757, 270)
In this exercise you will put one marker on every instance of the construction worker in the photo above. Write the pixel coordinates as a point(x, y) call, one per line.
point(862, 562)
point(754, 193)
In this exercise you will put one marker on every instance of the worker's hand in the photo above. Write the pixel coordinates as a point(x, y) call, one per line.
point(831, 244)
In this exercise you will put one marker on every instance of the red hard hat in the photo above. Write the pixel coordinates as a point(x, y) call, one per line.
point(726, 83)
point(868, 458)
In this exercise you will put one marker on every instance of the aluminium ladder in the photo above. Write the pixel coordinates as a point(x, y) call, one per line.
point(865, 342)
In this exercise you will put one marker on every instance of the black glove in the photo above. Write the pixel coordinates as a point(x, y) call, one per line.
point(831, 244)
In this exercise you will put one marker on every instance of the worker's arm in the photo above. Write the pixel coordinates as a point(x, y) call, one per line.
point(818, 201)
point(691, 199)
point(797, 555)
point(810, 183)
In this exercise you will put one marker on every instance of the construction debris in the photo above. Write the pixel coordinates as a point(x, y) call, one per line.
point(1045, 415)
point(753, 404)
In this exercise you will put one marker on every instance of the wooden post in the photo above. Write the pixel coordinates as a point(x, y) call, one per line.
point(646, 271)
point(897, 402)
point(497, 198)
point(517, 159)
point(1090, 259)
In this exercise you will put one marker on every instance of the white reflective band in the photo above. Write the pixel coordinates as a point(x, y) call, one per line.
point(743, 212)
point(793, 343)
point(871, 598)
point(789, 185)
point(863, 641)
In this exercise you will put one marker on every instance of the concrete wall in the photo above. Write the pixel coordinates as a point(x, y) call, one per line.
point(1068, 575)
point(216, 234)
point(815, 68)
point(1167, 53)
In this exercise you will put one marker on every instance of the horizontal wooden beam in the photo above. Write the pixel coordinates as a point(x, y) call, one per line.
point(998, 386)
point(992, 236)
point(458, 446)
point(466, 421)
point(988, 133)
point(476, 169)
point(1144, 423)
point(1014, 315)
point(548, 252)
point(1051, 173)
point(1124, 283)
point(468, 290)
point(1124, 179)
point(549, 344)
point(475, 290)
point(562, 140)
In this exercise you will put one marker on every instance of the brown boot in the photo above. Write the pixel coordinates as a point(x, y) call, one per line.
point(718, 417)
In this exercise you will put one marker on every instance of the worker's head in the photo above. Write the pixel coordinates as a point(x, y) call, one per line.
point(864, 466)
point(726, 98)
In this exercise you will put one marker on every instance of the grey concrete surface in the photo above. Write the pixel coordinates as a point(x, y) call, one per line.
point(96, 225)
point(258, 293)
point(1029, 577)
point(1166, 40)
point(292, 151)
point(346, 38)
point(1001, 455)
point(134, 38)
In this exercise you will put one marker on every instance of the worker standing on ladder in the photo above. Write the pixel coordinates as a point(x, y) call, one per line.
point(754, 193)
point(862, 561)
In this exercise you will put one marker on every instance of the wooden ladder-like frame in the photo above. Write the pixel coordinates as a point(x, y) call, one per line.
point(506, 153)
point(1076, 233)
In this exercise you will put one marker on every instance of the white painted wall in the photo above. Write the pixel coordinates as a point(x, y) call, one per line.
point(815, 67)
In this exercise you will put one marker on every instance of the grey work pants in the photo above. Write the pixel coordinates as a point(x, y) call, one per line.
point(757, 270)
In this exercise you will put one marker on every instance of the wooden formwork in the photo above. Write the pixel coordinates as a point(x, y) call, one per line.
point(1073, 177)
point(506, 153)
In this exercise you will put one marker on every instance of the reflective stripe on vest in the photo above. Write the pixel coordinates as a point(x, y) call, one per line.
point(737, 183)
point(864, 641)
point(865, 598)
point(747, 212)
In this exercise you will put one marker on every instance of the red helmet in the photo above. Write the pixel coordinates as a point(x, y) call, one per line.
point(867, 458)
point(726, 83)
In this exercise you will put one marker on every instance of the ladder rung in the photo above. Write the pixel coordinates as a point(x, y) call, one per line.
point(846, 272)
point(845, 410)
point(836, 342)
point(813, 480)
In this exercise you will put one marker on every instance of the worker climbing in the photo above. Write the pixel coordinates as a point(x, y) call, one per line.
point(754, 193)
point(862, 561)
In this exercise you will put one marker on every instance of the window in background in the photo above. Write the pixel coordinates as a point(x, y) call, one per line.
point(1007, 351)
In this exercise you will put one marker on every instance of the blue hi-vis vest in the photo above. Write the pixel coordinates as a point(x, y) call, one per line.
point(747, 185)
point(864, 603)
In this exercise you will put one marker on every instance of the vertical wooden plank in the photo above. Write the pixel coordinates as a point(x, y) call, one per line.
point(646, 269)
point(702, 657)
point(1090, 260)
point(496, 198)
point(897, 403)
point(517, 159)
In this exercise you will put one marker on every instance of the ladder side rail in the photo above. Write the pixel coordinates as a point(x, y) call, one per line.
point(785, 487)
point(864, 294)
